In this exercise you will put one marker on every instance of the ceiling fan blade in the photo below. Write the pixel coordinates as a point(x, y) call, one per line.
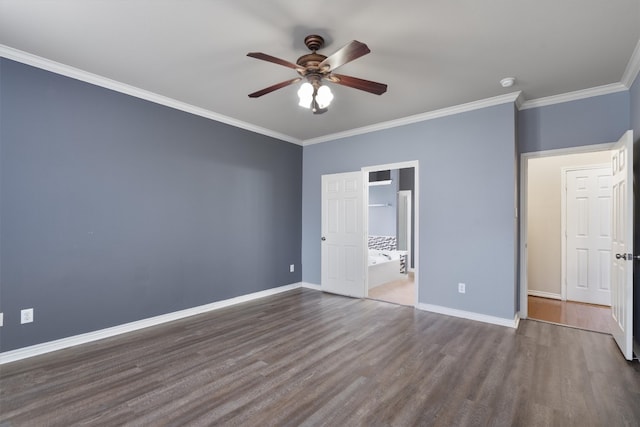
point(274, 87)
point(348, 53)
point(356, 83)
point(269, 58)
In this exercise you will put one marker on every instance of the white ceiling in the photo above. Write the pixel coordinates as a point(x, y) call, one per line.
point(433, 54)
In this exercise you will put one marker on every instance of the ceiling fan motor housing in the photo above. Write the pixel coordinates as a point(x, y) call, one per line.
point(314, 42)
point(311, 61)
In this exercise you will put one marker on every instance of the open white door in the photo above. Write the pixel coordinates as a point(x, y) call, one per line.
point(622, 245)
point(343, 234)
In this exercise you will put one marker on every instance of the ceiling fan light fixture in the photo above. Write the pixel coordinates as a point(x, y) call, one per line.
point(314, 68)
point(324, 97)
point(305, 95)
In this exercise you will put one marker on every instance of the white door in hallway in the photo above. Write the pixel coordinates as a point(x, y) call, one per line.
point(622, 258)
point(588, 235)
point(342, 240)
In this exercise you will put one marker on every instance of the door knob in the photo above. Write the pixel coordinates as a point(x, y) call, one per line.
point(323, 238)
point(627, 257)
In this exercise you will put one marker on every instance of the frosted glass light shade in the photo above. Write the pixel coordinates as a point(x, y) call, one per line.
point(324, 96)
point(305, 95)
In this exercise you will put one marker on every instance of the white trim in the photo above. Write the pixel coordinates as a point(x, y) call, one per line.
point(519, 101)
point(607, 146)
point(310, 286)
point(510, 323)
point(85, 76)
point(449, 111)
point(377, 183)
point(35, 350)
point(408, 195)
point(543, 294)
point(633, 67)
point(631, 71)
point(563, 234)
point(574, 96)
point(524, 169)
point(415, 164)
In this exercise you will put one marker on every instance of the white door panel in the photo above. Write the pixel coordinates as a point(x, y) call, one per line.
point(343, 234)
point(622, 245)
point(588, 234)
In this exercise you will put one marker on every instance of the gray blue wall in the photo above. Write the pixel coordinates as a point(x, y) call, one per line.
point(383, 219)
point(634, 110)
point(466, 213)
point(634, 98)
point(115, 209)
point(595, 120)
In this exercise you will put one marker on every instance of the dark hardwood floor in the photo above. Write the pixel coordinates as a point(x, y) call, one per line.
point(308, 358)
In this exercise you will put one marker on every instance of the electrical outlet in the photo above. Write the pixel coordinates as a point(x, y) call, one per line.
point(462, 288)
point(26, 315)
point(292, 268)
point(1, 319)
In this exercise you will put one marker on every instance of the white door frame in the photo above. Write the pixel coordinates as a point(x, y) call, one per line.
point(563, 220)
point(524, 172)
point(365, 213)
point(409, 237)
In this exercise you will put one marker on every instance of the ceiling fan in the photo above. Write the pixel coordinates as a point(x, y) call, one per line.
point(315, 67)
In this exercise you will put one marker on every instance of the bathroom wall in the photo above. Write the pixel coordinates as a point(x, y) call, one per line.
point(383, 219)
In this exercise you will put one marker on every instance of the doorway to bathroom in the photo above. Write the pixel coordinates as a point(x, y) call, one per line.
point(391, 225)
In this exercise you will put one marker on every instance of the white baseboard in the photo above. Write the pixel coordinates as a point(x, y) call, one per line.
point(510, 323)
point(310, 286)
point(544, 294)
point(35, 350)
point(38, 349)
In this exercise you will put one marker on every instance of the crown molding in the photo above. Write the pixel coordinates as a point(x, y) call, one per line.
point(85, 76)
point(633, 67)
point(520, 100)
point(574, 96)
point(630, 74)
point(449, 111)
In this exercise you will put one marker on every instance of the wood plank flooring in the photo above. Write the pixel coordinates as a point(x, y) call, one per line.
point(586, 316)
point(309, 358)
point(399, 292)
